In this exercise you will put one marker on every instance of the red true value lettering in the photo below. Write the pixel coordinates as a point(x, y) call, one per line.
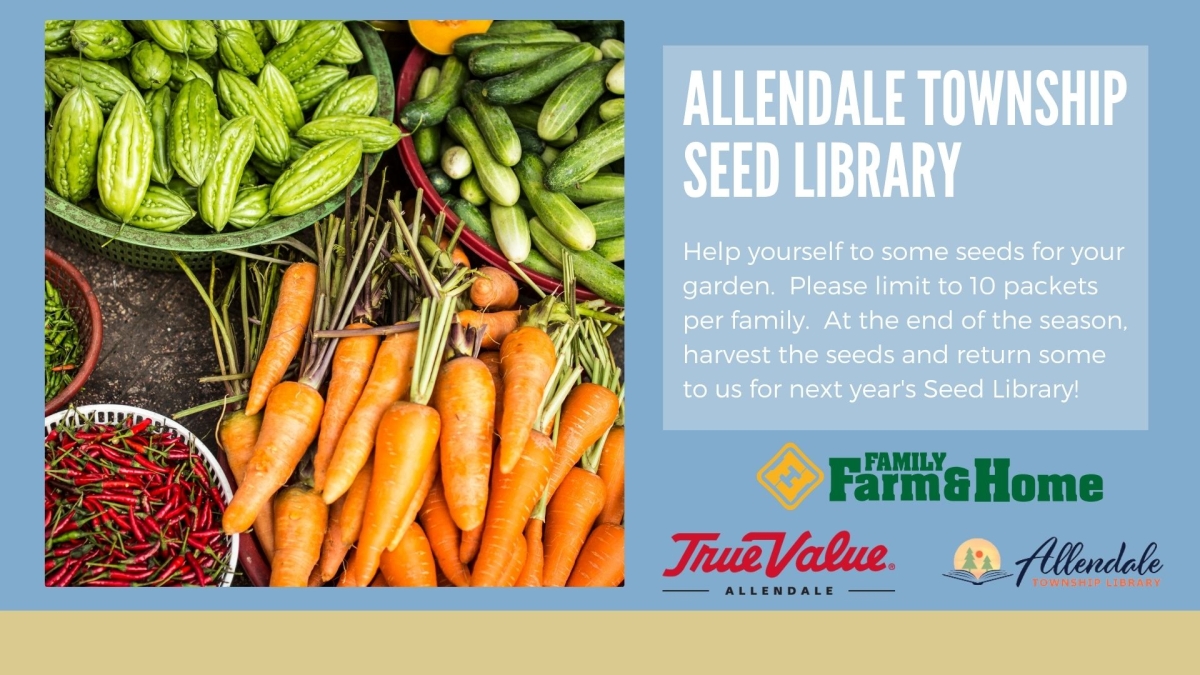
point(837, 556)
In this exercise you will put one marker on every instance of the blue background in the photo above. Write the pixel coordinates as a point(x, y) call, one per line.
point(704, 481)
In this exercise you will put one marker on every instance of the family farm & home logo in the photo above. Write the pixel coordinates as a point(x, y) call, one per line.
point(977, 561)
point(790, 476)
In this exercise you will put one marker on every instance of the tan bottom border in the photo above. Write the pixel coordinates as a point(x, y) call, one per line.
point(610, 642)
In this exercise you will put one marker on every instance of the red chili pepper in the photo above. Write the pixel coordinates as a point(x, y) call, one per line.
point(142, 557)
point(134, 529)
point(118, 498)
point(196, 568)
point(144, 461)
point(129, 577)
point(64, 575)
point(52, 436)
point(68, 444)
point(109, 583)
point(136, 446)
point(140, 426)
point(175, 512)
point(170, 570)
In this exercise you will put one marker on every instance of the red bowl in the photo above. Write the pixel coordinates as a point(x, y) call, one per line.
point(407, 83)
point(81, 302)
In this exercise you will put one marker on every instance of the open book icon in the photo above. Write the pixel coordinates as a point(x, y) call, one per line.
point(991, 575)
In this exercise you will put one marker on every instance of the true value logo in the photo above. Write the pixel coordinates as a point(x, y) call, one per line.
point(924, 477)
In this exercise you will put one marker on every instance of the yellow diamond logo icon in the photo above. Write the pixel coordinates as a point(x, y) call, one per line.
point(790, 476)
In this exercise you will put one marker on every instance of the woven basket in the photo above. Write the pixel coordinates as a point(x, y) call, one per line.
point(152, 250)
point(116, 414)
point(81, 302)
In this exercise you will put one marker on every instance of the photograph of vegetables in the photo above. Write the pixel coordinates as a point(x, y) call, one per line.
point(420, 349)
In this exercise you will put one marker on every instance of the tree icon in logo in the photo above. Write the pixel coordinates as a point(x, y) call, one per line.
point(968, 563)
point(987, 563)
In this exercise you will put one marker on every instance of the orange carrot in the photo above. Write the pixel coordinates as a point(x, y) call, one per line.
point(314, 579)
point(443, 536)
point(458, 255)
point(469, 547)
point(414, 507)
point(491, 359)
point(391, 376)
point(465, 397)
point(404, 447)
point(510, 503)
point(379, 581)
point(588, 412)
point(300, 520)
point(612, 472)
point(569, 518)
point(237, 435)
point(601, 563)
point(496, 325)
point(527, 359)
point(347, 578)
point(345, 522)
point(411, 564)
point(289, 426)
point(493, 289)
point(531, 573)
point(352, 361)
point(288, 324)
point(516, 562)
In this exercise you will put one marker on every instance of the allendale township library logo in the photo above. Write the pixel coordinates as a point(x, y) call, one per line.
point(977, 562)
point(790, 476)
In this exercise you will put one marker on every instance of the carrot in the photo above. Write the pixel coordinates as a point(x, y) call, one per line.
point(516, 562)
point(493, 289)
point(510, 504)
point(314, 579)
point(300, 520)
point(347, 578)
point(588, 412)
point(602, 560)
point(491, 359)
point(414, 507)
point(289, 426)
point(352, 361)
point(237, 435)
point(612, 472)
point(496, 325)
point(443, 536)
point(379, 581)
point(527, 360)
point(531, 572)
point(465, 397)
point(288, 325)
point(345, 522)
point(458, 255)
point(404, 448)
point(391, 376)
point(569, 518)
point(469, 548)
point(411, 564)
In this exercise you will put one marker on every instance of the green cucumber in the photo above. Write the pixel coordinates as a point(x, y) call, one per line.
point(530, 141)
point(474, 221)
point(470, 190)
point(615, 81)
point(513, 27)
point(498, 181)
point(599, 189)
point(572, 98)
point(432, 109)
point(426, 139)
point(585, 157)
point(591, 119)
point(612, 49)
point(512, 231)
point(608, 218)
point(611, 249)
point(593, 271)
point(566, 139)
point(549, 155)
point(523, 115)
point(466, 44)
point(495, 60)
point(612, 109)
point(539, 263)
point(569, 224)
point(497, 130)
point(456, 162)
point(538, 77)
point(440, 181)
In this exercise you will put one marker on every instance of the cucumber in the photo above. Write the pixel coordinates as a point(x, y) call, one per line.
point(440, 181)
point(566, 139)
point(538, 77)
point(470, 190)
point(566, 221)
point(466, 44)
point(513, 27)
point(495, 127)
point(593, 271)
point(523, 115)
point(426, 139)
point(604, 145)
point(572, 98)
point(612, 109)
point(498, 181)
point(549, 155)
point(599, 31)
point(591, 119)
point(456, 162)
point(473, 220)
point(612, 49)
point(530, 141)
point(512, 231)
point(599, 189)
point(432, 109)
point(615, 81)
point(495, 60)
point(608, 218)
point(538, 263)
point(611, 249)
